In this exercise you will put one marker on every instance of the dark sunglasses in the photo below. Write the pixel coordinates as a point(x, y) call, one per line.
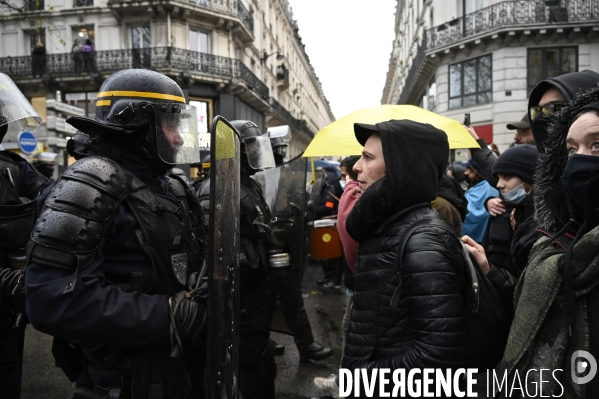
point(547, 109)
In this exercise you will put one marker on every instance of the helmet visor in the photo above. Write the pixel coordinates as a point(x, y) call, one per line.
point(177, 137)
point(259, 152)
point(14, 107)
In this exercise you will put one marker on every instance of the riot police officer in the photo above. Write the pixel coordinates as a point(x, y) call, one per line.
point(285, 282)
point(45, 164)
point(204, 173)
point(257, 367)
point(117, 246)
point(279, 150)
point(20, 183)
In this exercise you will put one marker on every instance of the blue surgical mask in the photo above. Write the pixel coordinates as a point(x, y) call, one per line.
point(342, 183)
point(515, 196)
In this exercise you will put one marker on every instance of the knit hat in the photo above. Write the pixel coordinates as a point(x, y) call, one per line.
point(519, 161)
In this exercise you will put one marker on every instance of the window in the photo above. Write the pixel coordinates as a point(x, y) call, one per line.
point(470, 82)
point(204, 115)
point(199, 41)
point(429, 97)
point(141, 51)
point(82, 33)
point(545, 63)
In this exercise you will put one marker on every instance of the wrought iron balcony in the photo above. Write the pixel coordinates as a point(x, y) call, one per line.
point(230, 7)
point(285, 116)
point(155, 58)
point(83, 3)
point(33, 5)
point(512, 14)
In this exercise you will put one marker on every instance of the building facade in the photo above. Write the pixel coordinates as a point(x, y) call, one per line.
point(483, 57)
point(242, 59)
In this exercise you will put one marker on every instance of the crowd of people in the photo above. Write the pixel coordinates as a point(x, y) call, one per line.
point(491, 264)
point(528, 218)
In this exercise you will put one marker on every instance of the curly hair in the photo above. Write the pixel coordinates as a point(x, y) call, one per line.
point(552, 161)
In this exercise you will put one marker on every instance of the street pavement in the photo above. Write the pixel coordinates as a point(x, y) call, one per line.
point(295, 380)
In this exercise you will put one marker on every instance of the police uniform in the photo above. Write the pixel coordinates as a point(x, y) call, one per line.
point(115, 245)
point(20, 184)
point(257, 368)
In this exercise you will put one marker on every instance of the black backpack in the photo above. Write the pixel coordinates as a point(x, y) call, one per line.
point(490, 322)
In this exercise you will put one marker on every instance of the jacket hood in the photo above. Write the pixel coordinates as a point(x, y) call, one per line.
point(451, 190)
point(551, 203)
point(569, 85)
point(416, 156)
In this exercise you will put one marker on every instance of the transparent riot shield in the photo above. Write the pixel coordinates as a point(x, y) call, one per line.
point(284, 190)
point(223, 264)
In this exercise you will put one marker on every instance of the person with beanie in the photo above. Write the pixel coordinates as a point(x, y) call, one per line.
point(427, 327)
point(510, 236)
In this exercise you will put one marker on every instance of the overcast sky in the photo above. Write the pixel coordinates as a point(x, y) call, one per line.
point(349, 43)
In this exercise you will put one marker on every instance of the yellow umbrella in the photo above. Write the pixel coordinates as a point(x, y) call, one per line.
point(337, 139)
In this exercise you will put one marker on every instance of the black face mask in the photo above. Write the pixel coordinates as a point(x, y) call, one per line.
point(540, 130)
point(579, 170)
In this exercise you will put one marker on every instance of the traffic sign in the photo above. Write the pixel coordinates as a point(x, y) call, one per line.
point(27, 142)
point(64, 108)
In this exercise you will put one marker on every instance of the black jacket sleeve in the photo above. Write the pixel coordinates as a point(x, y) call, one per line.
point(505, 284)
point(432, 279)
point(485, 159)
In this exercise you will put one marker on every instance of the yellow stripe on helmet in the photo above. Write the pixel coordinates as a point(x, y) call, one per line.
point(103, 103)
point(143, 94)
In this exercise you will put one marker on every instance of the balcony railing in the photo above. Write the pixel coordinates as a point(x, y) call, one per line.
point(33, 5)
point(512, 13)
point(230, 7)
point(283, 74)
point(83, 3)
point(154, 58)
point(285, 116)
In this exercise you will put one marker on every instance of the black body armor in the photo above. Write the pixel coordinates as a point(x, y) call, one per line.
point(16, 211)
point(82, 205)
point(254, 220)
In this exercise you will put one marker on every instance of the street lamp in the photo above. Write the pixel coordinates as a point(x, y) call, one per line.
point(280, 57)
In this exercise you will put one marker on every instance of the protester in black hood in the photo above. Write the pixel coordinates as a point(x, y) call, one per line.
point(451, 203)
point(550, 95)
point(557, 300)
point(415, 157)
point(399, 172)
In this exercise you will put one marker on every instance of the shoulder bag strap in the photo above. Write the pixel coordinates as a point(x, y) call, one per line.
point(465, 253)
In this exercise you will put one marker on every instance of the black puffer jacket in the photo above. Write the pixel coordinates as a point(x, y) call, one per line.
point(429, 326)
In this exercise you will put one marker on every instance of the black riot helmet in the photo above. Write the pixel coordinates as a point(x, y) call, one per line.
point(146, 112)
point(279, 150)
point(206, 164)
point(256, 151)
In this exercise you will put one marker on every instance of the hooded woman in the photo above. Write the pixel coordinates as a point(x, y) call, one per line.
point(557, 300)
point(399, 172)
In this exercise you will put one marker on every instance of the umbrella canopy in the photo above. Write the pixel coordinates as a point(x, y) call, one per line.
point(337, 139)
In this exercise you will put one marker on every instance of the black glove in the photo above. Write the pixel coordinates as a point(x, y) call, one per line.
point(188, 314)
point(12, 289)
